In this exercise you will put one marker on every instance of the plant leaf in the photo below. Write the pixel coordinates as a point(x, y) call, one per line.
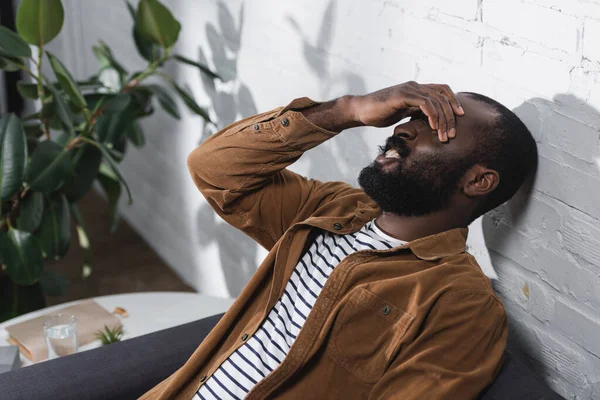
point(17, 299)
point(53, 283)
point(147, 49)
point(32, 209)
point(13, 155)
point(136, 135)
point(190, 102)
point(196, 64)
point(30, 90)
point(12, 44)
point(9, 63)
point(84, 241)
point(166, 101)
point(106, 59)
point(50, 167)
point(117, 103)
point(55, 229)
point(156, 23)
point(66, 81)
point(39, 21)
point(109, 160)
point(112, 187)
point(86, 163)
point(22, 256)
point(62, 109)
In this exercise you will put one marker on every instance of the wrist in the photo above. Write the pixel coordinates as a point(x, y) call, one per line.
point(349, 109)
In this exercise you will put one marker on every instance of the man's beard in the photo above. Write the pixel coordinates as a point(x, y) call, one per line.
point(424, 187)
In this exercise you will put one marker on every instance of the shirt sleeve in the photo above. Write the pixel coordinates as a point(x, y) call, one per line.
point(456, 356)
point(241, 171)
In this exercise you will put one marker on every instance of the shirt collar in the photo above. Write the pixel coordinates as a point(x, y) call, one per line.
point(432, 247)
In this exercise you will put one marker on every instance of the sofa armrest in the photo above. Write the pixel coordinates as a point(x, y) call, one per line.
point(123, 370)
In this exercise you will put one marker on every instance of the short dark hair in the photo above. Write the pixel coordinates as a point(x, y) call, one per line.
point(506, 146)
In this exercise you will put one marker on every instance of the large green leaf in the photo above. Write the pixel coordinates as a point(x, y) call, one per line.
point(135, 134)
point(55, 229)
point(13, 155)
point(196, 64)
point(86, 162)
point(17, 300)
point(156, 23)
point(116, 121)
point(50, 167)
point(113, 165)
point(66, 81)
point(190, 102)
point(84, 241)
point(112, 188)
point(32, 209)
point(12, 44)
point(165, 100)
point(147, 49)
point(22, 256)
point(61, 108)
point(53, 283)
point(39, 21)
point(117, 102)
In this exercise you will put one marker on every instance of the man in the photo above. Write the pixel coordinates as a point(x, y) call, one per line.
point(365, 294)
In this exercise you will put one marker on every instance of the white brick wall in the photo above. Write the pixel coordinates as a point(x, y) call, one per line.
point(539, 57)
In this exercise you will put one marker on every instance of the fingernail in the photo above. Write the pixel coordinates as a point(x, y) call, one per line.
point(461, 109)
point(452, 133)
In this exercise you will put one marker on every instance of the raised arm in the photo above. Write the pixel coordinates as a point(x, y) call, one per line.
point(241, 170)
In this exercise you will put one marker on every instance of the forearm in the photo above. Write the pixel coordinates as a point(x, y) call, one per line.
point(245, 156)
point(335, 115)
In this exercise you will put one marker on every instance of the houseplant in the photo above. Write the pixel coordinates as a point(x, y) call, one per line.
point(51, 158)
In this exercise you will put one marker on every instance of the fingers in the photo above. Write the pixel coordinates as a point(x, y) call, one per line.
point(450, 95)
point(447, 126)
point(426, 105)
point(449, 104)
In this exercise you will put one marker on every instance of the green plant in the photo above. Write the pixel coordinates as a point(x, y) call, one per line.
point(50, 159)
point(109, 336)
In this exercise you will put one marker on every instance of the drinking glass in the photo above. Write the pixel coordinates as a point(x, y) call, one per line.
point(60, 331)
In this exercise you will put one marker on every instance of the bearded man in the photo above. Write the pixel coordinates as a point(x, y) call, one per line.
point(366, 293)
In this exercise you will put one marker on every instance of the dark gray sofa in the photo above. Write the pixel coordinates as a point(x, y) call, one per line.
point(128, 369)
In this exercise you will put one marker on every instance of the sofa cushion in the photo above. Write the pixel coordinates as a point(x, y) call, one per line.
point(516, 381)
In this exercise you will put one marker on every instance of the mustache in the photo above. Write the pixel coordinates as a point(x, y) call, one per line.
point(395, 143)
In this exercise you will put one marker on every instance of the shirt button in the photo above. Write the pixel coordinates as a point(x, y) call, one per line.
point(256, 127)
point(386, 310)
point(244, 337)
point(203, 378)
point(337, 226)
point(285, 122)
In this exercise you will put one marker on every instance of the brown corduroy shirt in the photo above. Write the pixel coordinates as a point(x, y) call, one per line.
point(419, 321)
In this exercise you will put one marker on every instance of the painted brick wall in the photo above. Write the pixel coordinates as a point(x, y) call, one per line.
point(539, 57)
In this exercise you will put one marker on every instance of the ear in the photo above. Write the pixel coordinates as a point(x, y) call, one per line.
point(480, 181)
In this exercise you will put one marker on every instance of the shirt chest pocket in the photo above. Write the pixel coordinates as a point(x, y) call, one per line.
point(366, 334)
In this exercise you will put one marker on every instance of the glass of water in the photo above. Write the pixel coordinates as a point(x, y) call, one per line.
point(60, 331)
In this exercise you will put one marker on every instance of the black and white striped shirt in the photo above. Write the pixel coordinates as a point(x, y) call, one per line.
point(264, 351)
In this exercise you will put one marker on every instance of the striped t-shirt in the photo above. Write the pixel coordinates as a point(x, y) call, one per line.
point(264, 351)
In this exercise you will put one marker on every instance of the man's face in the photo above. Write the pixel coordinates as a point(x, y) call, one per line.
point(415, 174)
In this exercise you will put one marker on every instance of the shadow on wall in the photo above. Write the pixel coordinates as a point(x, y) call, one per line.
point(231, 100)
point(340, 158)
point(535, 114)
point(344, 156)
